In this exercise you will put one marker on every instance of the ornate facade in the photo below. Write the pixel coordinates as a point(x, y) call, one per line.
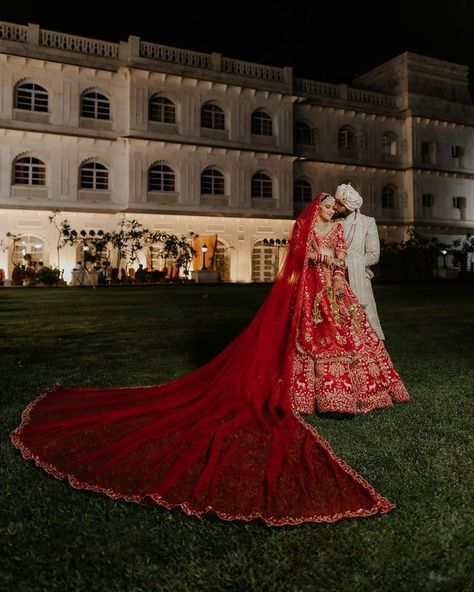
point(186, 141)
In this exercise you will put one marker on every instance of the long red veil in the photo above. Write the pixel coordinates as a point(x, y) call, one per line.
point(222, 439)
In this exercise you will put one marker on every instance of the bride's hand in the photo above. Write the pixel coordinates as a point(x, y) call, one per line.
point(336, 263)
point(338, 285)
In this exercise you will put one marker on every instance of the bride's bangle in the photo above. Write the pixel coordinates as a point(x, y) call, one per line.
point(318, 258)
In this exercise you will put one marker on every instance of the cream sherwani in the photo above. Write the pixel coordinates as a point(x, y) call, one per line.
point(363, 246)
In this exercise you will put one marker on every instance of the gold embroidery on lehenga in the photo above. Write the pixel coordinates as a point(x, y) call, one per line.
point(336, 313)
point(317, 315)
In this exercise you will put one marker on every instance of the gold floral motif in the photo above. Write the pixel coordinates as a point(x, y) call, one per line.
point(333, 305)
point(352, 309)
point(317, 315)
point(374, 369)
point(337, 369)
point(336, 313)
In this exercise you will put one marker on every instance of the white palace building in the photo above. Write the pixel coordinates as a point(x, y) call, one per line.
point(186, 141)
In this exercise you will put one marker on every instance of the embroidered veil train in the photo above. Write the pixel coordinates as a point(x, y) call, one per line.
point(223, 439)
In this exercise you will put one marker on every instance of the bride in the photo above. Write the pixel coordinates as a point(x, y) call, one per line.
point(340, 364)
point(228, 438)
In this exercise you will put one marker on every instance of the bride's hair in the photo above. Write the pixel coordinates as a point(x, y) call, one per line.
point(326, 197)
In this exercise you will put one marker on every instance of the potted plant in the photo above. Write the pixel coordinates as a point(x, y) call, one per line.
point(49, 276)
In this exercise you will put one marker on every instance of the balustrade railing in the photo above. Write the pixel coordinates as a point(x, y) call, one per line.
point(175, 55)
point(86, 45)
point(334, 91)
point(312, 87)
point(252, 70)
point(372, 98)
point(12, 32)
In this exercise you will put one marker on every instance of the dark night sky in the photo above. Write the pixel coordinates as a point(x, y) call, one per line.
point(332, 41)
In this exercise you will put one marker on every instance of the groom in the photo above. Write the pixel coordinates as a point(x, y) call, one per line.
point(363, 249)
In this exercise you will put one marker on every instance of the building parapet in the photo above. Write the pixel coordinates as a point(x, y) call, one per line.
point(32, 37)
point(86, 45)
point(174, 55)
point(13, 32)
point(372, 98)
point(313, 89)
point(32, 34)
point(252, 70)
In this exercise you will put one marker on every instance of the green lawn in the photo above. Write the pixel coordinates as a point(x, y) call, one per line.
point(419, 455)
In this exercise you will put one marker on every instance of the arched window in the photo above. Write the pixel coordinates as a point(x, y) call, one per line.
point(262, 185)
point(302, 191)
point(212, 182)
point(28, 248)
point(31, 97)
point(303, 134)
point(161, 109)
point(28, 170)
point(345, 138)
point(388, 197)
point(389, 144)
point(95, 105)
point(161, 178)
point(212, 117)
point(93, 175)
point(262, 124)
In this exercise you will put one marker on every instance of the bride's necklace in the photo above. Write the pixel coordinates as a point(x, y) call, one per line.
point(323, 226)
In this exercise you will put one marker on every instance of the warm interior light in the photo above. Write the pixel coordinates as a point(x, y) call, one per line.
point(204, 251)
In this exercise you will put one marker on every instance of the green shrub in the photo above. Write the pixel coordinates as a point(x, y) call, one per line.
point(48, 275)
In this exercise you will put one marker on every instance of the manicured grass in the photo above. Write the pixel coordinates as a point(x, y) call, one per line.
point(419, 455)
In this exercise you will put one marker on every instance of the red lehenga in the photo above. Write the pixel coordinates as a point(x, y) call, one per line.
point(340, 364)
point(223, 439)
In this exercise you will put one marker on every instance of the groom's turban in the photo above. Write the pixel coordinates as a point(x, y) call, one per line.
point(348, 196)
